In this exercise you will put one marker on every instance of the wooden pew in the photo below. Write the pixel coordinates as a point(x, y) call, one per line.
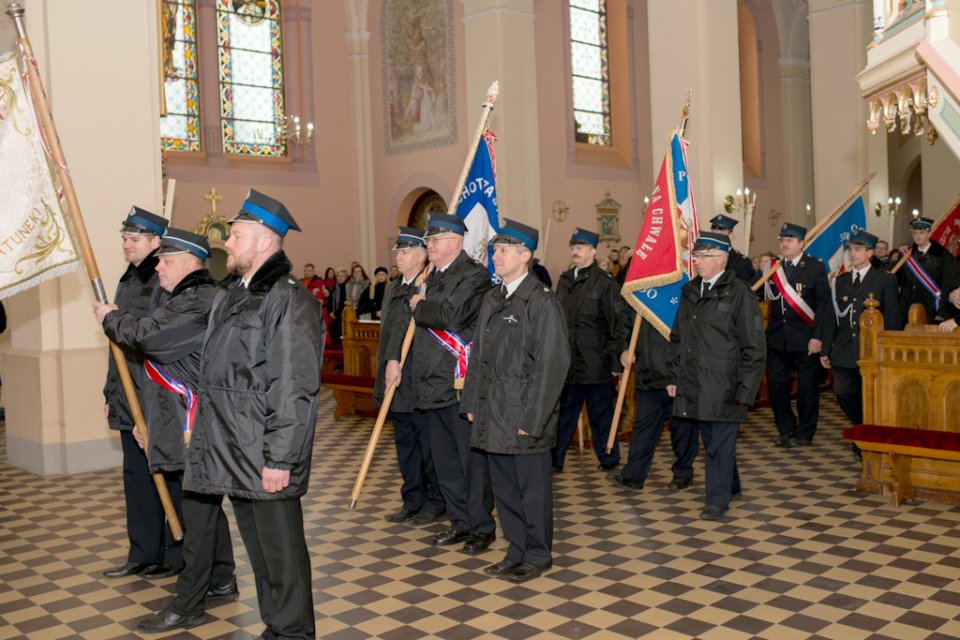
point(910, 439)
point(353, 389)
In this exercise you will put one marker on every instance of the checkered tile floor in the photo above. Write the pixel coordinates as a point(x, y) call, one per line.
point(801, 556)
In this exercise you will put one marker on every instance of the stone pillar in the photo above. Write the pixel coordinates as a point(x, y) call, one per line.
point(840, 31)
point(359, 38)
point(707, 62)
point(101, 77)
point(797, 140)
point(500, 45)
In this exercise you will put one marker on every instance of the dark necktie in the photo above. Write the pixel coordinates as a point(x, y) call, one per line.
point(856, 279)
point(788, 268)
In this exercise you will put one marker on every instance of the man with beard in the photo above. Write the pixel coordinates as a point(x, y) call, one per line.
point(153, 552)
point(259, 378)
point(169, 340)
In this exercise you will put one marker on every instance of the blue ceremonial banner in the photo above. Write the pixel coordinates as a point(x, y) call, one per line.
point(831, 243)
point(478, 203)
point(661, 262)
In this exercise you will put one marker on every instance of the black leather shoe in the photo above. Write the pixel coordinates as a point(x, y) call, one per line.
point(425, 517)
point(503, 567)
point(800, 442)
point(167, 620)
point(784, 441)
point(225, 593)
point(616, 478)
point(450, 536)
point(711, 512)
point(679, 484)
point(129, 569)
point(401, 515)
point(162, 570)
point(557, 468)
point(607, 466)
point(479, 542)
point(526, 571)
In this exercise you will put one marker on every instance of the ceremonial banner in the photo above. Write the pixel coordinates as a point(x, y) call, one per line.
point(830, 244)
point(661, 263)
point(478, 202)
point(946, 230)
point(35, 243)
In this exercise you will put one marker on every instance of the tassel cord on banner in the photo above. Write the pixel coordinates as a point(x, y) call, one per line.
point(52, 145)
point(492, 93)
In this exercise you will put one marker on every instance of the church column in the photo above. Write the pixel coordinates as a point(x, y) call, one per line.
point(839, 33)
point(500, 45)
point(359, 38)
point(102, 84)
point(797, 141)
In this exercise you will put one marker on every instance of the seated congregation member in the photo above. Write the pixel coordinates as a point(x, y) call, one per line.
point(718, 365)
point(932, 267)
point(170, 340)
point(651, 375)
point(841, 343)
point(516, 373)
point(799, 297)
point(420, 491)
point(596, 317)
point(446, 314)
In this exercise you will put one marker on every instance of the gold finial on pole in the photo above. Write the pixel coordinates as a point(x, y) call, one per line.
point(685, 113)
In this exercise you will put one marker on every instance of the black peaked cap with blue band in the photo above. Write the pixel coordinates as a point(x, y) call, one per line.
point(712, 240)
point(441, 223)
point(142, 221)
point(582, 236)
point(267, 211)
point(513, 232)
point(921, 223)
point(790, 230)
point(181, 241)
point(724, 222)
point(408, 237)
point(862, 237)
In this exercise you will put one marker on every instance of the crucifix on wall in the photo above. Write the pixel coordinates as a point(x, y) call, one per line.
point(212, 197)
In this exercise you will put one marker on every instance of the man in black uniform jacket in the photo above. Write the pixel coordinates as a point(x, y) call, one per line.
point(420, 491)
point(596, 317)
point(938, 264)
point(841, 342)
point(651, 375)
point(799, 298)
point(446, 317)
point(738, 263)
point(153, 552)
point(511, 396)
point(171, 338)
point(259, 379)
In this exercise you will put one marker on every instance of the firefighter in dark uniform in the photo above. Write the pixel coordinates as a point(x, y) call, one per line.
point(651, 375)
point(738, 263)
point(512, 396)
point(938, 264)
point(596, 317)
point(171, 339)
point(446, 316)
point(718, 364)
point(422, 500)
point(795, 327)
point(257, 410)
point(841, 343)
point(153, 552)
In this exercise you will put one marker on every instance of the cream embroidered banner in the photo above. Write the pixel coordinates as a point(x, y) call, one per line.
point(35, 241)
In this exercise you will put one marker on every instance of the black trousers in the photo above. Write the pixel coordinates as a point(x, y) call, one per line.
point(150, 539)
point(462, 471)
point(848, 385)
point(653, 405)
point(272, 532)
point(522, 487)
point(420, 488)
point(780, 364)
point(720, 447)
point(207, 552)
point(599, 399)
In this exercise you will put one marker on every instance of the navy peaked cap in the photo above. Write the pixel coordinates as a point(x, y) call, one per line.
point(142, 221)
point(513, 232)
point(712, 240)
point(267, 211)
point(409, 237)
point(864, 238)
point(181, 241)
point(724, 222)
point(921, 223)
point(583, 236)
point(440, 223)
point(790, 230)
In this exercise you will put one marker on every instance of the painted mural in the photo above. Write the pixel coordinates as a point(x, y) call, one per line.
point(419, 92)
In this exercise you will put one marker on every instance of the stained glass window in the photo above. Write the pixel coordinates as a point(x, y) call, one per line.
point(590, 71)
point(180, 129)
point(251, 77)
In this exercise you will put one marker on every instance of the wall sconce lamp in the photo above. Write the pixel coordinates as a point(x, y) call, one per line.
point(743, 203)
point(892, 207)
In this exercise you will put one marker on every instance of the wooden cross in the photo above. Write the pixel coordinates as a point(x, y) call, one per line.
point(212, 197)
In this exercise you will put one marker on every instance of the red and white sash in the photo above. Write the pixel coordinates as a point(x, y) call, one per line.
point(790, 295)
point(158, 375)
point(459, 349)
